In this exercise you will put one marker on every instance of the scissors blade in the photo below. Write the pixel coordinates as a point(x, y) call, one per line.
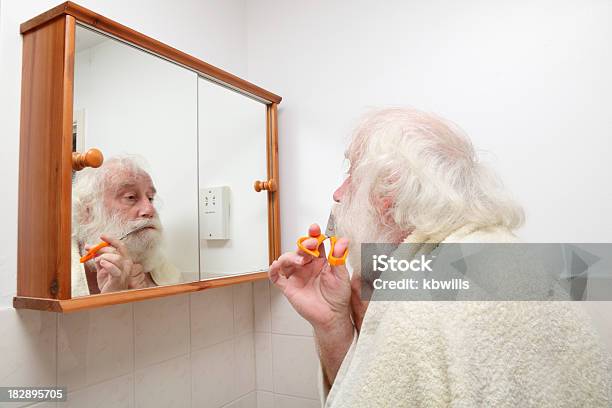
point(132, 231)
point(330, 230)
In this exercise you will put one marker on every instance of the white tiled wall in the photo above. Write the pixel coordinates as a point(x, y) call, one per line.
point(194, 350)
point(286, 359)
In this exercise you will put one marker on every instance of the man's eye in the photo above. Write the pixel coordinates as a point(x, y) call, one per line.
point(151, 199)
point(130, 197)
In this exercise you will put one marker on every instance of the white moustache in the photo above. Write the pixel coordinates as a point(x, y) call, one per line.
point(135, 225)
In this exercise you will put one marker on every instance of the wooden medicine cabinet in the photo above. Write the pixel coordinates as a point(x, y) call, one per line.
point(98, 97)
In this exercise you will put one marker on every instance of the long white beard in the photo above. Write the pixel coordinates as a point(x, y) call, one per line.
point(144, 246)
point(360, 224)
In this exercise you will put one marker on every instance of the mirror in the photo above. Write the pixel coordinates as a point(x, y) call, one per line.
point(232, 155)
point(175, 194)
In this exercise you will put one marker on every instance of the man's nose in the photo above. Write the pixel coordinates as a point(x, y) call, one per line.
point(337, 194)
point(340, 191)
point(146, 209)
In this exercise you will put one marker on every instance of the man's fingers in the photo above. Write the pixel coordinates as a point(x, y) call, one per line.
point(341, 273)
point(310, 244)
point(106, 250)
point(290, 261)
point(337, 272)
point(113, 258)
point(340, 247)
point(110, 268)
point(120, 246)
point(288, 264)
point(314, 230)
point(275, 273)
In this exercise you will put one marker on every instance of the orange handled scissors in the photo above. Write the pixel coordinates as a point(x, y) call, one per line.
point(93, 250)
point(322, 237)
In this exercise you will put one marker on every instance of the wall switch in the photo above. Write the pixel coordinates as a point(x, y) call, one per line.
point(214, 212)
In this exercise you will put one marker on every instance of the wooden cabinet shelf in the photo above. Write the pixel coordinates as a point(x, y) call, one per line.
point(106, 299)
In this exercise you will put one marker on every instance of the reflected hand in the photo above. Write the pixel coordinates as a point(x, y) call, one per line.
point(138, 279)
point(319, 292)
point(113, 265)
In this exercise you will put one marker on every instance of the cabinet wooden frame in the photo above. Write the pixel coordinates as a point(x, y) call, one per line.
point(45, 160)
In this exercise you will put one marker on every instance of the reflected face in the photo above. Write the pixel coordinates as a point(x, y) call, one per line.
point(127, 206)
point(132, 198)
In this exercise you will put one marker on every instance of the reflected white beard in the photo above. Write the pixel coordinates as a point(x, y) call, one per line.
point(144, 246)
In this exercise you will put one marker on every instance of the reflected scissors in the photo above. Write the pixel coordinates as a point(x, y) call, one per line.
point(329, 233)
point(92, 251)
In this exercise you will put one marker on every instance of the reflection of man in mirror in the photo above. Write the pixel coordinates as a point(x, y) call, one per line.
point(108, 203)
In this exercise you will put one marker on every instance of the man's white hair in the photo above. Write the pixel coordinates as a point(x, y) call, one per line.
point(91, 218)
point(90, 184)
point(429, 170)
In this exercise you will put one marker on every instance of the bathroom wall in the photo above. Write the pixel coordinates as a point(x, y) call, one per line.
point(172, 352)
point(285, 355)
point(528, 81)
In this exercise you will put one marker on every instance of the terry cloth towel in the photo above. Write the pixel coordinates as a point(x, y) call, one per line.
point(473, 354)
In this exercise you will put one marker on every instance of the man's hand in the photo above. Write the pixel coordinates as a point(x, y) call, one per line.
point(113, 265)
point(319, 292)
point(138, 279)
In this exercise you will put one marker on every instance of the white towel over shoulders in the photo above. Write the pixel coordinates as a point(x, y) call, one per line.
point(474, 354)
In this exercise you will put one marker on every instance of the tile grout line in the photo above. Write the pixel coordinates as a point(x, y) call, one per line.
point(97, 383)
point(252, 333)
point(133, 356)
point(158, 363)
point(189, 351)
point(254, 342)
point(215, 343)
point(57, 329)
point(271, 344)
point(291, 396)
point(234, 337)
point(239, 397)
point(306, 336)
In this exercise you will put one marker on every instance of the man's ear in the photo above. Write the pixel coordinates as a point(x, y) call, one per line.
point(387, 202)
point(385, 205)
point(85, 216)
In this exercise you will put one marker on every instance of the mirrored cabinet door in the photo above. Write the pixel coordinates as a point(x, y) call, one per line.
point(232, 155)
point(141, 112)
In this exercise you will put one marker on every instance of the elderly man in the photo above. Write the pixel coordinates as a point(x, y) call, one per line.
point(415, 178)
point(108, 203)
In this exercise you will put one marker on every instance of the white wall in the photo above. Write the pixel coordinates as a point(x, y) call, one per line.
point(528, 80)
point(178, 350)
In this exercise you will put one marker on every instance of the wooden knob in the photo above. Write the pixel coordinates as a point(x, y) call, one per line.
point(269, 185)
point(91, 158)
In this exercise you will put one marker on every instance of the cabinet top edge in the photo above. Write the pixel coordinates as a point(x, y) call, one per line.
point(104, 24)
